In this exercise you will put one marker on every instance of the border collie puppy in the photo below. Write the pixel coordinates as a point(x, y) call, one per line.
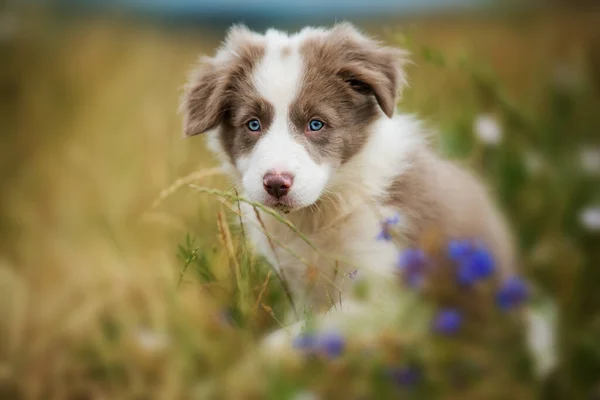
point(306, 124)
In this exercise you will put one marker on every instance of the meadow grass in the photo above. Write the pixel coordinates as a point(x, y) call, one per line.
point(118, 279)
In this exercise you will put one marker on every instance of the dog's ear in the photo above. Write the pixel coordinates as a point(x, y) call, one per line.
point(204, 99)
point(371, 68)
point(206, 93)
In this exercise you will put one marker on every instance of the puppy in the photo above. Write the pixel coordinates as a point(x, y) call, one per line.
point(306, 124)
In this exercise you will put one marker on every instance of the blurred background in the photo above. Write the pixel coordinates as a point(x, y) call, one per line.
point(113, 274)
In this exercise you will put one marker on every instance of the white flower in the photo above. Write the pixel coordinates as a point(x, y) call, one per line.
point(487, 129)
point(590, 218)
point(590, 159)
point(150, 340)
point(541, 335)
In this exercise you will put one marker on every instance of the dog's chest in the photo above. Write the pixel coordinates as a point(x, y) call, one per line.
point(319, 261)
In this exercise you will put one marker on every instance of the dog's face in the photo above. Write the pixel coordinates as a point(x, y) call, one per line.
point(288, 111)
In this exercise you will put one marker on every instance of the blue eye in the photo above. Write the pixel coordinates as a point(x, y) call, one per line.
point(253, 125)
point(315, 125)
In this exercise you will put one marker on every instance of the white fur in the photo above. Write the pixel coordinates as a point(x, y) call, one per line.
point(277, 80)
point(346, 229)
point(344, 224)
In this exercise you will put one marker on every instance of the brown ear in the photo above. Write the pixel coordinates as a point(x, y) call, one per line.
point(372, 68)
point(213, 81)
point(204, 100)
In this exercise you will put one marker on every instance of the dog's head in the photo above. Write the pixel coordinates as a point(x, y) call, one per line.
point(288, 111)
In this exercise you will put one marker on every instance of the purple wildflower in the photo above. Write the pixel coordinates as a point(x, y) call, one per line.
point(405, 376)
point(479, 265)
point(332, 344)
point(482, 263)
point(386, 227)
point(448, 322)
point(412, 264)
point(305, 342)
point(458, 250)
point(465, 275)
point(512, 293)
point(352, 274)
point(475, 262)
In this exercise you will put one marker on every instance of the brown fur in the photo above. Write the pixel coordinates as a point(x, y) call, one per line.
point(346, 80)
point(349, 82)
point(221, 93)
point(436, 196)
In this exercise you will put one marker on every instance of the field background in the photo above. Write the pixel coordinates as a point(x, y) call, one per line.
point(90, 305)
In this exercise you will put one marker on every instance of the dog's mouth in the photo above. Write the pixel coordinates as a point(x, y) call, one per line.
point(282, 208)
point(283, 205)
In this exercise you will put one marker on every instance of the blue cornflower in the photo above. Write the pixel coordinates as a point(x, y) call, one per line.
point(448, 322)
point(475, 262)
point(412, 264)
point(305, 342)
point(405, 376)
point(482, 263)
point(332, 344)
point(479, 265)
point(513, 292)
point(458, 250)
point(386, 227)
point(466, 275)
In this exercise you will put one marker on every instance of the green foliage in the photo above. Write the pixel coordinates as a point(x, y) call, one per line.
point(189, 254)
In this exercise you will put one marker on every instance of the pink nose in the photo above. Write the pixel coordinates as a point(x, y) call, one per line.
point(278, 184)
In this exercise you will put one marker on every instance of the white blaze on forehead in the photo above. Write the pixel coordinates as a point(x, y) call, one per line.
point(277, 79)
point(278, 75)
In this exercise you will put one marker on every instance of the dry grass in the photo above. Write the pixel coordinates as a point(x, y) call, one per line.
point(98, 132)
point(93, 141)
